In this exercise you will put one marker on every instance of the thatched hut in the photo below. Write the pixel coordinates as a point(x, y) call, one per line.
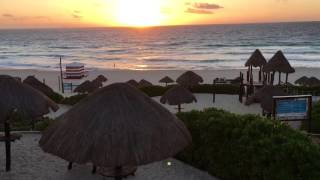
point(117, 126)
point(145, 83)
point(20, 98)
point(166, 80)
point(35, 83)
point(101, 78)
point(264, 96)
point(302, 80)
point(256, 60)
point(178, 95)
point(312, 81)
point(133, 83)
point(279, 63)
point(189, 79)
point(88, 87)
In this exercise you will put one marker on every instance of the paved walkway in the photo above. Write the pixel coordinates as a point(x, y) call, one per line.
point(29, 162)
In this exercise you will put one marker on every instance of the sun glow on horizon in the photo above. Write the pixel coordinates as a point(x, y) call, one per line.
point(140, 13)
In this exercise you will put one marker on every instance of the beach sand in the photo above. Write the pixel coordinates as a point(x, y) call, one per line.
point(51, 77)
point(29, 162)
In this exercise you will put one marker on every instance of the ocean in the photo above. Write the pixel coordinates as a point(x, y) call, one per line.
point(177, 47)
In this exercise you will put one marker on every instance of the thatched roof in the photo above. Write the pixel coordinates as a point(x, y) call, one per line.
point(312, 81)
point(301, 80)
point(35, 83)
point(116, 126)
point(278, 63)
point(101, 78)
point(166, 79)
point(178, 95)
point(265, 96)
point(256, 59)
point(88, 87)
point(133, 83)
point(189, 78)
point(22, 97)
point(145, 83)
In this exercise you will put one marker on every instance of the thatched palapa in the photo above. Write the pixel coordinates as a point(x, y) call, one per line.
point(302, 80)
point(189, 78)
point(101, 78)
point(256, 59)
point(278, 63)
point(166, 80)
point(116, 126)
point(145, 83)
point(312, 81)
point(265, 96)
point(22, 97)
point(178, 95)
point(133, 83)
point(88, 87)
point(35, 83)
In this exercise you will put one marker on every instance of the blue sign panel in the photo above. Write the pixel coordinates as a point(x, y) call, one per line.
point(296, 108)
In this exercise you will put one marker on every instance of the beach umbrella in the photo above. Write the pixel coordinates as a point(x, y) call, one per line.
point(189, 79)
point(35, 83)
point(312, 81)
point(302, 80)
point(166, 80)
point(279, 63)
point(22, 99)
point(265, 96)
point(88, 87)
point(101, 78)
point(145, 83)
point(255, 60)
point(178, 95)
point(133, 83)
point(117, 126)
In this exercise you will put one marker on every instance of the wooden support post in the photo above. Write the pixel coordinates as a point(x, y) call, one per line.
point(213, 93)
point(260, 75)
point(279, 78)
point(7, 144)
point(118, 173)
point(59, 84)
point(61, 75)
point(287, 78)
point(94, 169)
point(179, 107)
point(70, 165)
point(241, 88)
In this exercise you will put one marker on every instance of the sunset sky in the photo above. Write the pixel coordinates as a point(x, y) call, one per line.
point(97, 13)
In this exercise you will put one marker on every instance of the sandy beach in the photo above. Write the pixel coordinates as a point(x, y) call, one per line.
point(51, 77)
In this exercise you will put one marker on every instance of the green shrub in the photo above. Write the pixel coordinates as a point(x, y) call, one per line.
point(56, 97)
point(43, 124)
point(248, 147)
point(72, 100)
point(315, 120)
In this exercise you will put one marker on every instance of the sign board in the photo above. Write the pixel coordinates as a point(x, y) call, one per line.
point(292, 107)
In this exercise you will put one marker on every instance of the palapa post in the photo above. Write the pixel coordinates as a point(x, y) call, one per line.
point(112, 127)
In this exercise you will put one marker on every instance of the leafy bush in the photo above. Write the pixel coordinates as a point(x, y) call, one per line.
point(56, 97)
point(42, 125)
point(315, 119)
point(248, 147)
point(72, 100)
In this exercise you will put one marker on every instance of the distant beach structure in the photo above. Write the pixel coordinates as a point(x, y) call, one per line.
point(75, 70)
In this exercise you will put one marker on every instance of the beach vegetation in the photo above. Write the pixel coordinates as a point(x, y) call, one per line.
point(231, 146)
